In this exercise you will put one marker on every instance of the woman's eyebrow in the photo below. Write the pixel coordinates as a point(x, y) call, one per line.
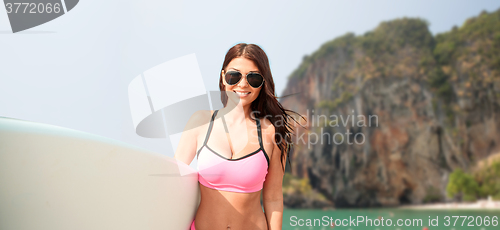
point(253, 71)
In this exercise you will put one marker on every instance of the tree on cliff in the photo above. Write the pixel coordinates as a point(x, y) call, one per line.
point(462, 186)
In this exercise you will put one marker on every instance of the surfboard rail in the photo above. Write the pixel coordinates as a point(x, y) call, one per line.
point(57, 178)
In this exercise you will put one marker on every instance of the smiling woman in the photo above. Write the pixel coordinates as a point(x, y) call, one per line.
point(242, 149)
point(232, 80)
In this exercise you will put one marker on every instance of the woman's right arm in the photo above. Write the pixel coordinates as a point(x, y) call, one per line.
point(186, 150)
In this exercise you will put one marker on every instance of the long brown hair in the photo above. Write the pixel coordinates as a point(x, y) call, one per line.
point(266, 104)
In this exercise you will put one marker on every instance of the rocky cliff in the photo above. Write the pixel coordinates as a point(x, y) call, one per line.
point(392, 112)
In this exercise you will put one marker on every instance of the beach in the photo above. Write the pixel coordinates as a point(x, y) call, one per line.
point(480, 204)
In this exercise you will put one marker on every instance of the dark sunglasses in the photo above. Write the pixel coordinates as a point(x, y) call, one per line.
point(254, 79)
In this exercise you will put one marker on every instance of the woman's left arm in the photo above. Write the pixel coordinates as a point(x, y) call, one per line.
point(272, 192)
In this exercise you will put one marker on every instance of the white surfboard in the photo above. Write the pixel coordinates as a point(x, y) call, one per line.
point(56, 178)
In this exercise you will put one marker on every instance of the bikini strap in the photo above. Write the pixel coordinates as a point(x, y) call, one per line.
point(259, 132)
point(208, 133)
point(210, 127)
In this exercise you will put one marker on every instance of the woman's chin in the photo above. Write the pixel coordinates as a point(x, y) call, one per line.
point(240, 101)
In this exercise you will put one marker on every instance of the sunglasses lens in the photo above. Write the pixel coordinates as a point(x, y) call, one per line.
point(233, 77)
point(255, 80)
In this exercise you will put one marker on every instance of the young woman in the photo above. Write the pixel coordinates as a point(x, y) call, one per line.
point(241, 149)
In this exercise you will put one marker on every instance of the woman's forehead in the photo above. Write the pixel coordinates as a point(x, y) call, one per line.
point(243, 64)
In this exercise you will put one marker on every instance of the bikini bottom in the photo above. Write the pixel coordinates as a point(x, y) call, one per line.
point(192, 226)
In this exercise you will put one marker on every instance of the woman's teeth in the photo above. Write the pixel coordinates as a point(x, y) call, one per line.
point(241, 93)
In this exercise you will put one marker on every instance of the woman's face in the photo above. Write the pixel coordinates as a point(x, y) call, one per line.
point(246, 93)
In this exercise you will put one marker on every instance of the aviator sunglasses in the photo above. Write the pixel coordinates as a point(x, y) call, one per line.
point(254, 79)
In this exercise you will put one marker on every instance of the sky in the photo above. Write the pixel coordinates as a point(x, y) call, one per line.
point(74, 71)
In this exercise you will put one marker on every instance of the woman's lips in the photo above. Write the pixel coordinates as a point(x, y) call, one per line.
point(242, 93)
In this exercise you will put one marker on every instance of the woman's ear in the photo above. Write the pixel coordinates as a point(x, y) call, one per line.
point(222, 76)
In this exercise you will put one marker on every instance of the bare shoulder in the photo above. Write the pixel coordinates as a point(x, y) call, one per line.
point(268, 136)
point(267, 127)
point(199, 119)
point(202, 114)
point(187, 147)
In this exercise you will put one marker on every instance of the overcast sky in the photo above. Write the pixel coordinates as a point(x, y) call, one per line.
point(74, 71)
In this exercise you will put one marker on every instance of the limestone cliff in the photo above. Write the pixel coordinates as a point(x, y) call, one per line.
point(420, 106)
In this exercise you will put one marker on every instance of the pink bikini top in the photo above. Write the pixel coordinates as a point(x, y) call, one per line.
point(245, 174)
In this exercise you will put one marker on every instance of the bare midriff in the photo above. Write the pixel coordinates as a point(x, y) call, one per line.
point(229, 210)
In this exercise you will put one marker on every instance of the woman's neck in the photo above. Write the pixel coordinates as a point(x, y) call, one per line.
point(236, 113)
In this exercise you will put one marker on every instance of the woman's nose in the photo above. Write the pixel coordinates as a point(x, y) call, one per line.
point(243, 82)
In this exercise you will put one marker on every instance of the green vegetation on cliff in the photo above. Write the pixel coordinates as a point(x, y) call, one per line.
point(297, 193)
point(458, 65)
point(470, 51)
point(472, 186)
point(388, 38)
point(344, 43)
point(475, 45)
point(461, 183)
point(392, 36)
point(484, 29)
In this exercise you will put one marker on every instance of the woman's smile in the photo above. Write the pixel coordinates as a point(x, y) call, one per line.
point(241, 93)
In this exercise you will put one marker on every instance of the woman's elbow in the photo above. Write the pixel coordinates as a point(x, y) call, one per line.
point(273, 198)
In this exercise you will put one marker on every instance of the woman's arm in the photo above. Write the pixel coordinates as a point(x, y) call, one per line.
point(186, 150)
point(272, 192)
